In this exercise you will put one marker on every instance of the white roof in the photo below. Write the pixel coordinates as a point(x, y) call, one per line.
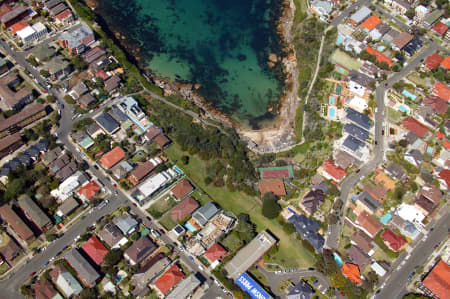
point(378, 269)
point(410, 213)
point(358, 103)
point(25, 32)
point(356, 88)
point(422, 9)
point(39, 27)
point(345, 29)
point(152, 184)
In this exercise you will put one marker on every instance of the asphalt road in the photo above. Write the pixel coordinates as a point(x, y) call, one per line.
point(396, 281)
point(344, 14)
point(10, 288)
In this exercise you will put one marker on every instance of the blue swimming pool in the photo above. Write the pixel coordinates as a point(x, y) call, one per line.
point(409, 95)
point(386, 218)
point(381, 48)
point(332, 112)
point(332, 100)
point(339, 40)
point(403, 109)
point(190, 227)
point(430, 150)
point(338, 259)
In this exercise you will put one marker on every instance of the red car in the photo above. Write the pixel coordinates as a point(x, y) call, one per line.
point(32, 274)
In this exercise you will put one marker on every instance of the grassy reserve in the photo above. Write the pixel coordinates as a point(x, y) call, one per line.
point(291, 253)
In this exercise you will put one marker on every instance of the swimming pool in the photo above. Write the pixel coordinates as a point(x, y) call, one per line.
point(381, 48)
point(332, 100)
point(339, 40)
point(409, 95)
point(338, 259)
point(386, 218)
point(332, 112)
point(190, 227)
point(403, 109)
point(430, 150)
point(338, 89)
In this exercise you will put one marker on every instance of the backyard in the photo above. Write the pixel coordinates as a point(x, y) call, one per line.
point(161, 206)
point(290, 254)
point(345, 60)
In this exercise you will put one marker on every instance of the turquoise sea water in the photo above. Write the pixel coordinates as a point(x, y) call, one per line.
point(221, 44)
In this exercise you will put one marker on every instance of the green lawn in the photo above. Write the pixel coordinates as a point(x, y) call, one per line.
point(161, 206)
point(394, 115)
point(259, 276)
point(345, 60)
point(415, 78)
point(232, 242)
point(167, 222)
point(3, 268)
point(290, 254)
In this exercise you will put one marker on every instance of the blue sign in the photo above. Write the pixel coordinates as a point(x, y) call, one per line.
point(246, 283)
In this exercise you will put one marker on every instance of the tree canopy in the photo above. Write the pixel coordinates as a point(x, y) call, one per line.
point(270, 209)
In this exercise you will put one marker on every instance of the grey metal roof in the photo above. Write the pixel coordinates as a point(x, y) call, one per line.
point(369, 201)
point(118, 115)
point(68, 206)
point(301, 290)
point(108, 123)
point(396, 171)
point(360, 78)
point(361, 14)
point(308, 230)
point(360, 119)
point(125, 223)
point(74, 38)
point(33, 210)
point(110, 234)
point(141, 249)
point(82, 266)
point(185, 287)
point(80, 89)
point(352, 143)
point(432, 17)
point(356, 132)
point(206, 212)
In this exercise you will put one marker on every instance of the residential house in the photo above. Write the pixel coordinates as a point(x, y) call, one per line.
point(57, 9)
point(32, 33)
point(3, 66)
point(162, 141)
point(214, 253)
point(43, 289)
point(399, 6)
point(312, 201)
point(356, 132)
point(389, 37)
point(343, 159)
point(358, 257)
point(108, 123)
point(332, 172)
point(95, 250)
point(415, 157)
point(274, 186)
point(442, 90)
point(182, 189)
point(440, 28)
point(368, 224)
point(140, 172)
point(17, 224)
point(85, 271)
point(14, 15)
point(301, 290)
point(78, 90)
point(352, 272)
point(10, 96)
point(67, 207)
point(322, 8)
point(359, 119)
point(93, 54)
point(370, 23)
point(379, 31)
point(363, 241)
point(94, 130)
point(67, 171)
point(382, 179)
point(140, 250)
point(112, 83)
point(58, 67)
point(121, 170)
point(308, 229)
point(360, 15)
point(396, 171)
point(9, 250)
point(393, 241)
point(77, 40)
point(168, 280)
point(421, 13)
point(34, 213)
point(126, 224)
point(205, 213)
point(184, 209)
point(185, 288)
point(365, 202)
point(154, 267)
point(437, 281)
point(433, 61)
point(377, 192)
point(427, 199)
point(65, 17)
point(10, 144)
point(112, 157)
point(86, 101)
point(438, 104)
point(112, 236)
point(401, 41)
point(65, 281)
point(411, 48)
point(152, 133)
point(445, 64)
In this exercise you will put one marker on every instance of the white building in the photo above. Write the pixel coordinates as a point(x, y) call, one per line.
point(31, 33)
point(410, 213)
point(357, 103)
point(356, 88)
point(421, 12)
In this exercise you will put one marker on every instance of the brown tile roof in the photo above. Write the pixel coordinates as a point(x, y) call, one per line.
point(432, 193)
point(15, 222)
point(274, 186)
point(7, 141)
point(10, 250)
point(25, 113)
point(402, 40)
point(369, 223)
point(162, 141)
point(362, 240)
point(184, 209)
point(10, 96)
point(424, 203)
point(439, 105)
point(152, 132)
point(142, 170)
point(377, 192)
point(141, 249)
point(43, 289)
point(438, 280)
point(182, 189)
point(357, 256)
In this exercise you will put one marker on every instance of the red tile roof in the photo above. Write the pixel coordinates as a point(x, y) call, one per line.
point(95, 250)
point(438, 280)
point(371, 22)
point(380, 56)
point(184, 209)
point(337, 172)
point(102, 74)
point(447, 144)
point(395, 242)
point(170, 278)
point(433, 61)
point(414, 125)
point(112, 157)
point(440, 28)
point(352, 272)
point(446, 62)
point(162, 140)
point(274, 186)
point(369, 223)
point(89, 190)
point(182, 189)
point(64, 15)
point(445, 175)
point(215, 253)
point(440, 135)
point(442, 91)
point(43, 289)
point(439, 105)
point(275, 174)
point(18, 26)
